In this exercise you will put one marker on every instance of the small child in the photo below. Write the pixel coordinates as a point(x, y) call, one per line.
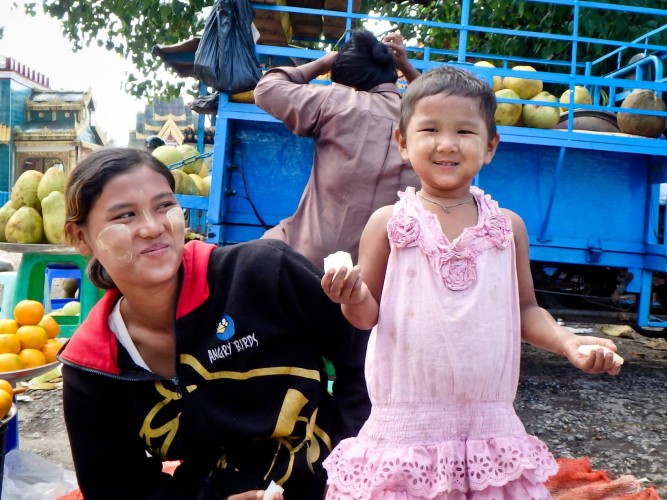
point(447, 287)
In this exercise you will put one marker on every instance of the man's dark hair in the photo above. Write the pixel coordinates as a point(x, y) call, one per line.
point(363, 62)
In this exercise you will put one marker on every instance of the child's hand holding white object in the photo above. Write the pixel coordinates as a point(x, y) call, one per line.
point(337, 261)
point(593, 354)
point(342, 288)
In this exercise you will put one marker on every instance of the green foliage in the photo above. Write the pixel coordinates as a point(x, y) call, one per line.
point(129, 28)
point(605, 24)
point(132, 27)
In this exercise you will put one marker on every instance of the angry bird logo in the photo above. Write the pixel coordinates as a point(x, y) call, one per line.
point(225, 330)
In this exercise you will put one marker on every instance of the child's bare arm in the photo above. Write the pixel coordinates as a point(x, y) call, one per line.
point(540, 329)
point(360, 298)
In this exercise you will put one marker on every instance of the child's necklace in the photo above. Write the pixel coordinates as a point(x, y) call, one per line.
point(444, 207)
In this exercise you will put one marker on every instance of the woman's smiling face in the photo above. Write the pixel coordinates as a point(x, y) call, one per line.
point(135, 229)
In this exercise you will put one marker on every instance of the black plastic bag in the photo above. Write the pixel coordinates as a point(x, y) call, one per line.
point(225, 58)
point(206, 104)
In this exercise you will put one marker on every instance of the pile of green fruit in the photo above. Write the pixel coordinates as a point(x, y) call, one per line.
point(193, 177)
point(535, 114)
point(35, 212)
point(538, 115)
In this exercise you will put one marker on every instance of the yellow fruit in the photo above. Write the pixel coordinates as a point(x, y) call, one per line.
point(10, 342)
point(189, 151)
point(198, 182)
point(24, 191)
point(497, 81)
point(168, 155)
point(539, 116)
point(53, 217)
point(6, 386)
point(6, 213)
point(32, 337)
point(5, 403)
point(50, 325)
point(32, 358)
point(184, 183)
point(72, 308)
point(581, 96)
point(50, 350)
point(524, 87)
point(28, 312)
point(507, 113)
point(53, 180)
point(10, 362)
point(206, 185)
point(25, 226)
point(8, 325)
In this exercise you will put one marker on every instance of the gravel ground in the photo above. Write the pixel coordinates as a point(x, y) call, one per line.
point(619, 422)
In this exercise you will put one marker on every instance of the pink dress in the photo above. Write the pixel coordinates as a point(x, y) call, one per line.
point(442, 370)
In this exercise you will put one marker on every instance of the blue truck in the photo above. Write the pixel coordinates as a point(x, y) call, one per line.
point(590, 199)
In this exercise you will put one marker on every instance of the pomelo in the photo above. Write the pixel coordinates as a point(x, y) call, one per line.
point(497, 81)
point(188, 151)
point(24, 191)
point(643, 125)
point(581, 96)
point(168, 155)
point(540, 116)
point(25, 226)
point(507, 113)
point(526, 88)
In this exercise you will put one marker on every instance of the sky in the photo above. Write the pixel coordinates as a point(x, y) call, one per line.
point(38, 43)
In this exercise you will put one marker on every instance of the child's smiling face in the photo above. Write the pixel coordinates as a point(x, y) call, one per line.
point(447, 142)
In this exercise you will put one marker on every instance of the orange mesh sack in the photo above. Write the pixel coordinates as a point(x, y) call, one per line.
point(576, 480)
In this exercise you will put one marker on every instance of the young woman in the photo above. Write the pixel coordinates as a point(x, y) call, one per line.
point(207, 355)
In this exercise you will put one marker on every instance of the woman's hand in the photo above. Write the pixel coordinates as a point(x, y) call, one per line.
point(597, 361)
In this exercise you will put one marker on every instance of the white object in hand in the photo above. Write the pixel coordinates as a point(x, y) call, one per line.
point(273, 488)
point(338, 260)
point(587, 349)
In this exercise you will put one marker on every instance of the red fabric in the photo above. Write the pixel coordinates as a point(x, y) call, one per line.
point(196, 255)
point(95, 346)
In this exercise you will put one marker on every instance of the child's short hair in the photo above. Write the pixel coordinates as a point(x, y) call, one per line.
point(449, 80)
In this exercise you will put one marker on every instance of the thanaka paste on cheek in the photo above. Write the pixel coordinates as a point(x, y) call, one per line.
point(115, 242)
point(176, 221)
